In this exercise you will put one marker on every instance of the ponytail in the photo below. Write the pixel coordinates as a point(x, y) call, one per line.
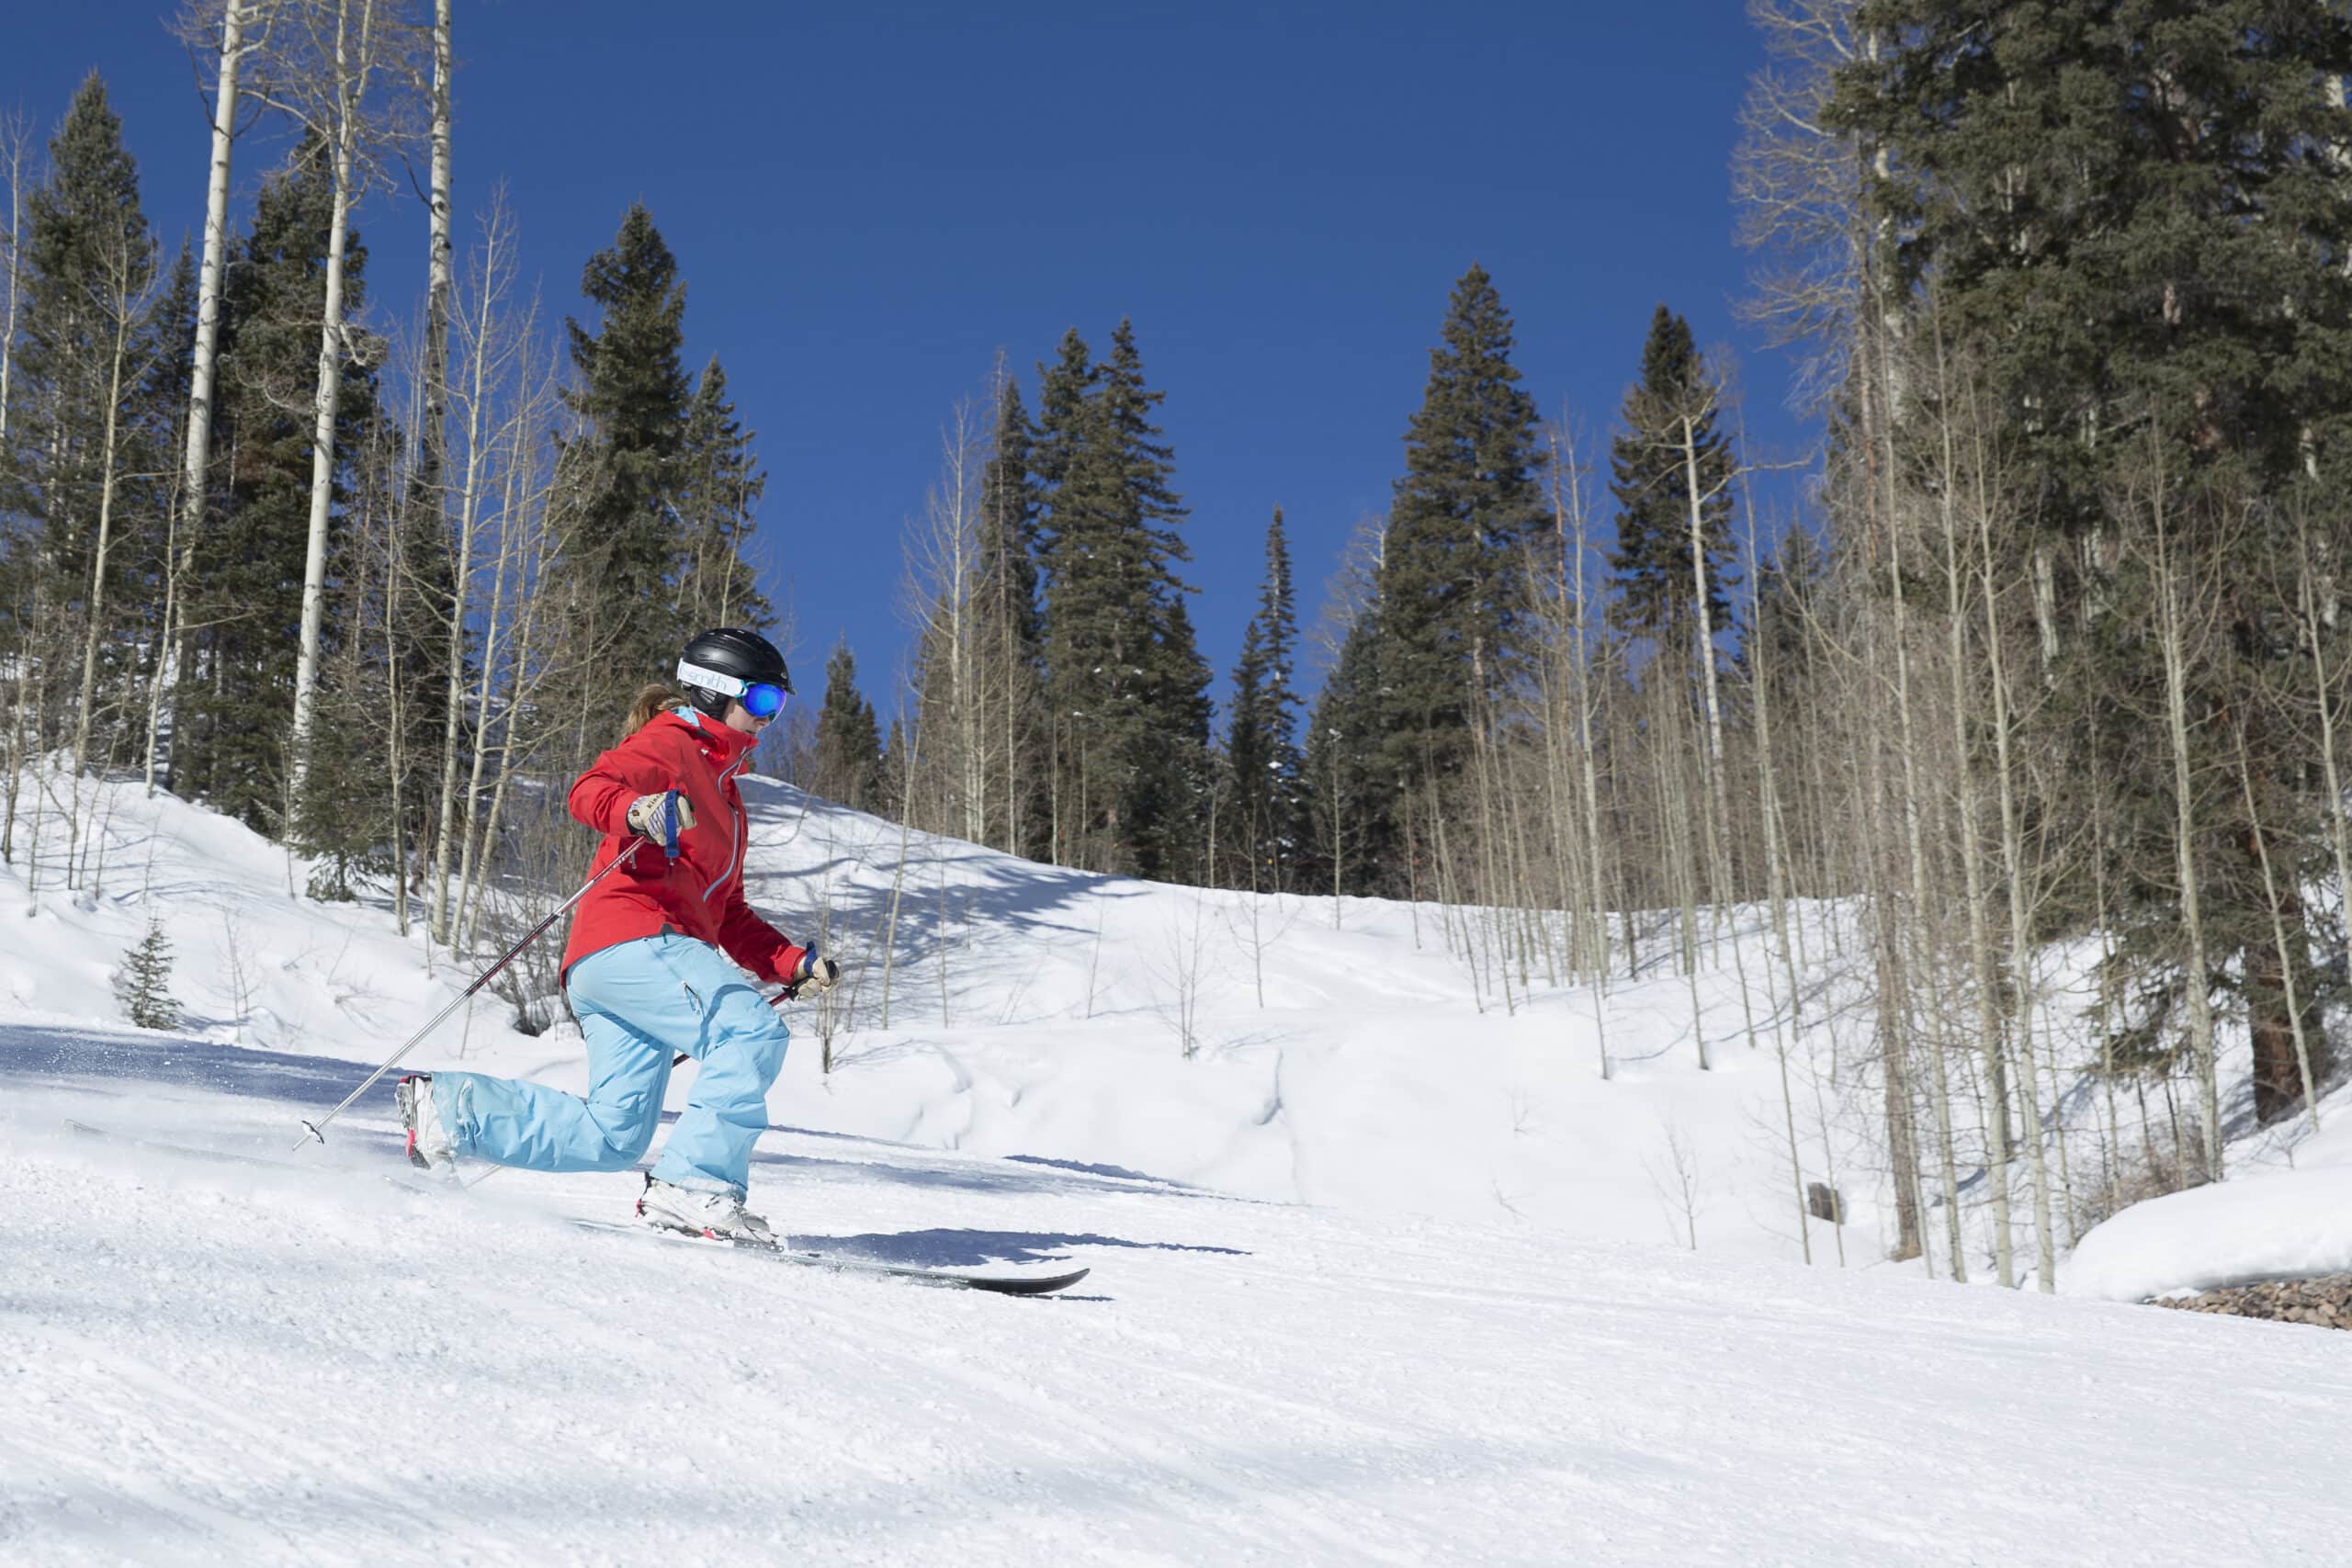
point(651, 703)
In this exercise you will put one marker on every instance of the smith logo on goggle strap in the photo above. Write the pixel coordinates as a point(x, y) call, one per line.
point(711, 679)
point(760, 699)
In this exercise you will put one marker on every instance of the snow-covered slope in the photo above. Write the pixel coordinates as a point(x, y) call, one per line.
point(1447, 1353)
point(217, 1363)
point(1036, 1010)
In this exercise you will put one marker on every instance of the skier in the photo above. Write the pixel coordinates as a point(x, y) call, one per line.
point(647, 967)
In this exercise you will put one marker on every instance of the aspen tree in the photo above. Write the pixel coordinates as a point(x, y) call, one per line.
point(2021, 958)
point(126, 291)
point(2325, 689)
point(490, 353)
point(1581, 665)
point(1760, 668)
point(2173, 638)
point(1970, 846)
point(2278, 934)
point(245, 31)
point(538, 539)
point(534, 404)
point(15, 144)
point(1907, 745)
point(329, 94)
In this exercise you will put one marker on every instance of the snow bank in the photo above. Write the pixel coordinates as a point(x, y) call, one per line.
point(2290, 1225)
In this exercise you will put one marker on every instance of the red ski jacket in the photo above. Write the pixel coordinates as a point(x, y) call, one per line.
point(700, 893)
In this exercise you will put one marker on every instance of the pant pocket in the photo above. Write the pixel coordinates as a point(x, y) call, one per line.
point(695, 999)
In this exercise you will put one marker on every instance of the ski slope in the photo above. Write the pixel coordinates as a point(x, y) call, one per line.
point(207, 1362)
point(1379, 1276)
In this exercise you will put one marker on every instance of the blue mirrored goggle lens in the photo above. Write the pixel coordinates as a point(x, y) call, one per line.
point(763, 700)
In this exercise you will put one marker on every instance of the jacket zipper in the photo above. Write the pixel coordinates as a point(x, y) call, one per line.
point(734, 838)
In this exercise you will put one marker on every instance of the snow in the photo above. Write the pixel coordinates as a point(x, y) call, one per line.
point(211, 1362)
point(1379, 1276)
point(2289, 1226)
point(1036, 1011)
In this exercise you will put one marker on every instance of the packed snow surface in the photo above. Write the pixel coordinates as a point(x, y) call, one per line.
point(1378, 1273)
point(212, 1362)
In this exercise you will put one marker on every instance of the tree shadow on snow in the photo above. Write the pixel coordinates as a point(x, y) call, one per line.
point(1118, 1172)
point(90, 1060)
point(1018, 1174)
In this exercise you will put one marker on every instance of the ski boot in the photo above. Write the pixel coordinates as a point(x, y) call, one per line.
point(429, 1146)
point(718, 1215)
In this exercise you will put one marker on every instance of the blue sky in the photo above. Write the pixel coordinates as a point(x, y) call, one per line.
point(868, 201)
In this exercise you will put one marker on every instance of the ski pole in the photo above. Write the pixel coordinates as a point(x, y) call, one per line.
point(317, 1129)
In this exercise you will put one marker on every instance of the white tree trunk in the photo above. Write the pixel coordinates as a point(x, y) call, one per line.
point(13, 137)
point(125, 308)
point(1980, 939)
point(2172, 636)
point(1719, 821)
point(478, 357)
point(350, 66)
point(1940, 1078)
point(2339, 840)
point(198, 454)
point(2279, 938)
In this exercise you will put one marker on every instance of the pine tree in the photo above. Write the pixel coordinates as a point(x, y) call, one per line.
point(1262, 752)
point(1452, 583)
point(1648, 475)
point(634, 396)
point(1063, 390)
point(85, 437)
point(1341, 778)
point(1008, 634)
point(720, 486)
point(143, 984)
point(1009, 523)
point(1176, 775)
point(1127, 683)
point(171, 359)
point(849, 766)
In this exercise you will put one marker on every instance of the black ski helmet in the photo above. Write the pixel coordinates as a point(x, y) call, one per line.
point(735, 655)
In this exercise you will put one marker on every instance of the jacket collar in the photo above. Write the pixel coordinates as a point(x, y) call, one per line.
point(723, 741)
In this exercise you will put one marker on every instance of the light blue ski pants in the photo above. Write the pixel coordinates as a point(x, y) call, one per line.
point(638, 1003)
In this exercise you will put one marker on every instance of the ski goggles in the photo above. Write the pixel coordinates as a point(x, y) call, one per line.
point(760, 699)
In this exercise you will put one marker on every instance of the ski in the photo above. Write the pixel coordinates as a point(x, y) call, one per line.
point(942, 1278)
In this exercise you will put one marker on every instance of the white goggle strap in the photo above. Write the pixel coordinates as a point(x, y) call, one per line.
point(711, 679)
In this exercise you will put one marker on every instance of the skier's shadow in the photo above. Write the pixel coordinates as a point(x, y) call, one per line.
point(973, 1249)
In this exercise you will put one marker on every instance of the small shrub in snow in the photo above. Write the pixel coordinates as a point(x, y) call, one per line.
point(2139, 1172)
point(143, 983)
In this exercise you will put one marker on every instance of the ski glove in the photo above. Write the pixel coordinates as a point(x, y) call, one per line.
point(812, 971)
point(661, 817)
